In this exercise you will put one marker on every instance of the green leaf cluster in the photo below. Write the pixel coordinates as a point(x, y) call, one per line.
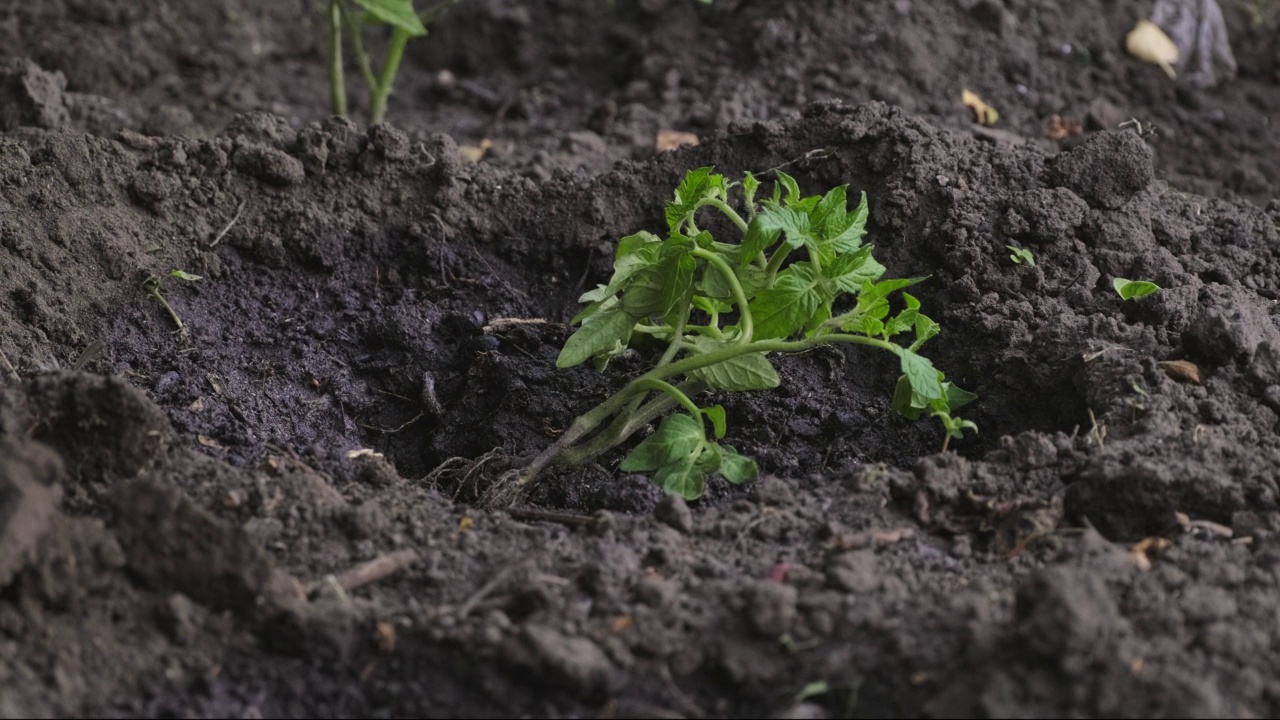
point(798, 276)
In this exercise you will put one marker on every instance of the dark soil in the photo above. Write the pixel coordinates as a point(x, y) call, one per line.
point(180, 515)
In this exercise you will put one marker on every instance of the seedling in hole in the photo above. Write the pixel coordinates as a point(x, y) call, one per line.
point(798, 277)
point(152, 285)
point(1021, 255)
point(405, 24)
point(1129, 289)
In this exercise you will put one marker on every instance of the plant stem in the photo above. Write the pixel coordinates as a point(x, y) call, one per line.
point(357, 49)
point(739, 296)
point(152, 286)
point(390, 66)
point(337, 85)
point(627, 423)
point(729, 212)
point(674, 393)
point(775, 263)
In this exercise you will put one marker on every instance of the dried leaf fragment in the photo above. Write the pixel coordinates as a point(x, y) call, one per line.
point(983, 114)
point(472, 154)
point(1181, 370)
point(1145, 549)
point(1148, 43)
point(672, 139)
point(384, 635)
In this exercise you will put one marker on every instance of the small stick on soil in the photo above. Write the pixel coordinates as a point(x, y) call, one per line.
point(488, 589)
point(499, 324)
point(564, 518)
point(218, 238)
point(8, 367)
point(376, 569)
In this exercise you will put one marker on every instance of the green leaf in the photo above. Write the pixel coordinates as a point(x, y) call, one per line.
point(655, 289)
point(1129, 289)
point(851, 271)
point(183, 275)
point(709, 459)
point(678, 436)
point(923, 376)
point(906, 319)
point(1021, 255)
point(397, 13)
point(749, 187)
point(793, 223)
point(926, 328)
point(757, 239)
point(787, 307)
point(736, 468)
point(598, 334)
point(751, 371)
point(901, 403)
point(681, 478)
point(633, 243)
point(956, 396)
point(838, 231)
point(793, 189)
point(715, 414)
point(697, 185)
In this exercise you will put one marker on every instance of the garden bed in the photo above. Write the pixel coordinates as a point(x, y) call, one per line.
point(279, 512)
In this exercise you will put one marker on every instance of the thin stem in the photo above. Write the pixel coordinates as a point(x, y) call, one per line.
point(677, 333)
point(152, 286)
point(739, 296)
point(625, 425)
point(775, 263)
point(674, 393)
point(357, 48)
point(337, 85)
point(619, 431)
point(729, 212)
point(390, 66)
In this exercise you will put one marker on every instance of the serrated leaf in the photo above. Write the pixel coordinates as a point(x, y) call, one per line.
point(792, 223)
point(715, 414)
point(397, 13)
point(184, 275)
point(752, 371)
point(681, 478)
point(923, 376)
point(633, 243)
point(676, 438)
point(786, 308)
point(713, 283)
point(926, 328)
point(736, 468)
point(598, 334)
point(793, 188)
point(1129, 289)
point(904, 320)
point(697, 185)
point(749, 187)
point(851, 271)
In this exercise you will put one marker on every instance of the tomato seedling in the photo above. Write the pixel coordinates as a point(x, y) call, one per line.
point(152, 285)
point(405, 24)
point(798, 277)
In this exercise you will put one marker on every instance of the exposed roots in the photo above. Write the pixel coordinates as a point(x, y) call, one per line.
point(474, 478)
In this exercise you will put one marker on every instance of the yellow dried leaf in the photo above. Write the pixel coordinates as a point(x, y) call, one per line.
point(983, 114)
point(209, 442)
point(1148, 43)
point(672, 139)
point(466, 523)
point(472, 154)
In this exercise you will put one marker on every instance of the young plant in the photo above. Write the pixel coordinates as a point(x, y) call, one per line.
point(798, 277)
point(152, 285)
point(405, 23)
point(1021, 255)
point(1129, 289)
